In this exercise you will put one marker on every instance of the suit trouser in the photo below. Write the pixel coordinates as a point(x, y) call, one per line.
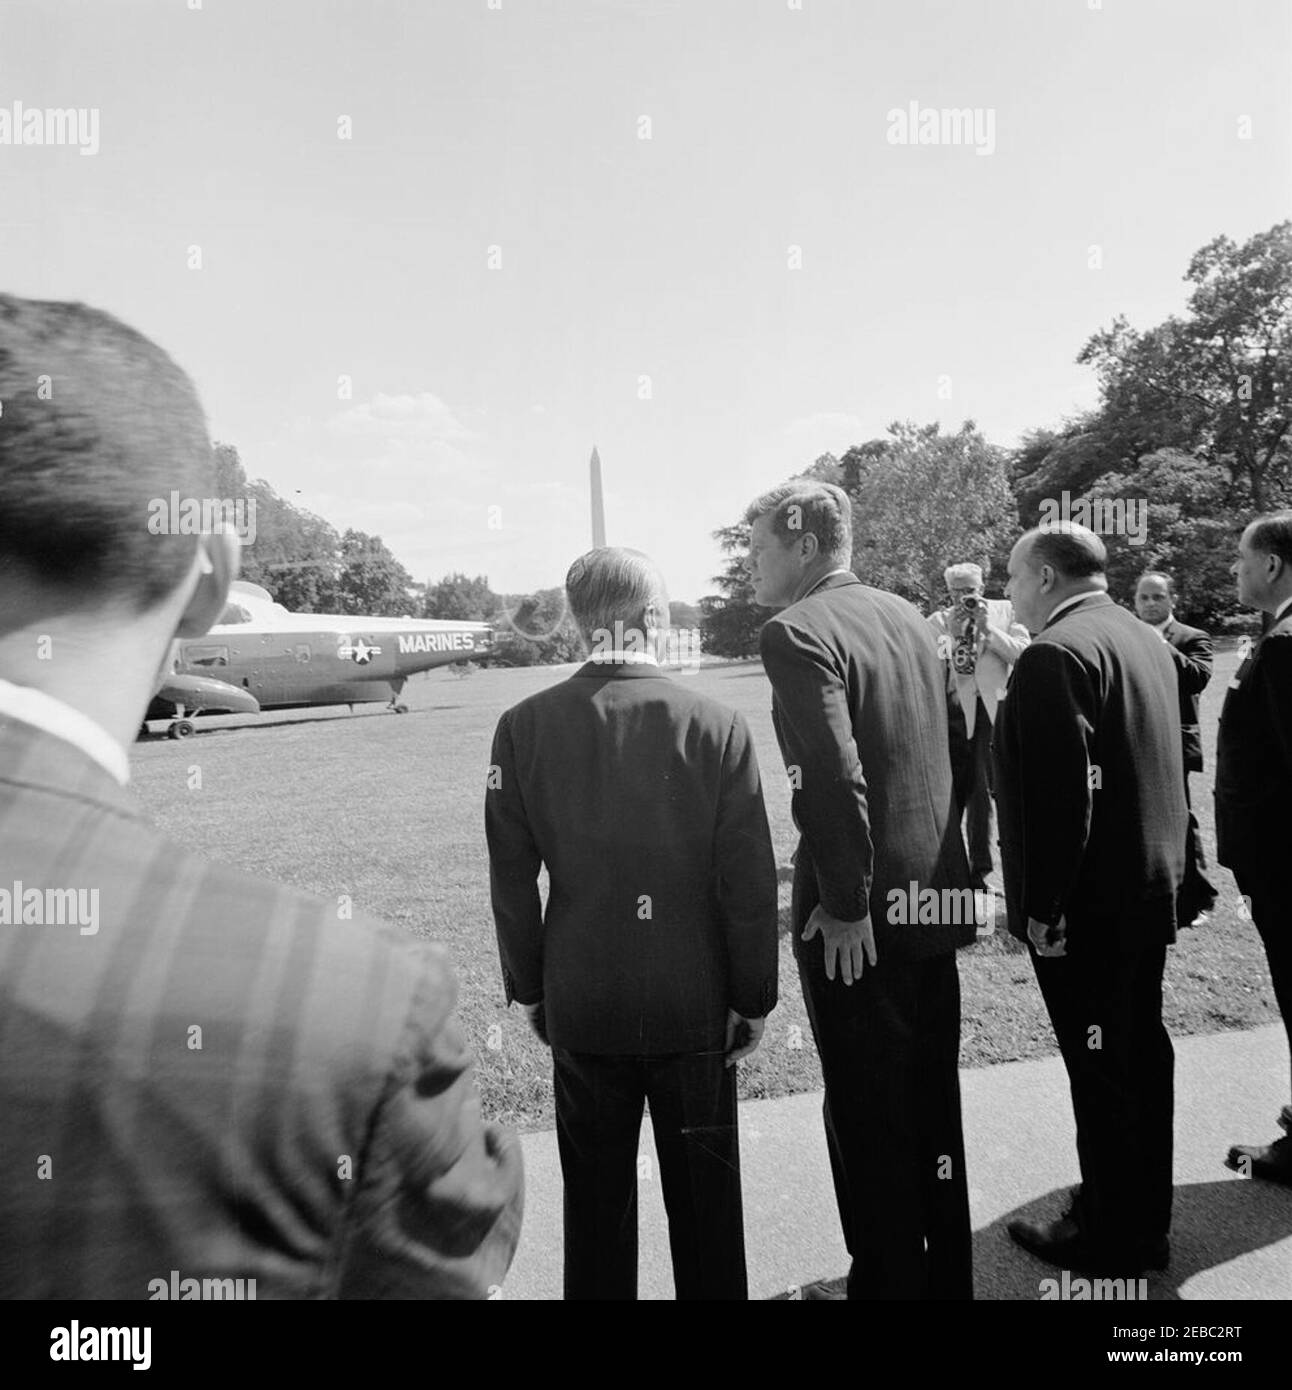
point(889, 1045)
point(1271, 909)
point(692, 1100)
point(1198, 892)
point(1105, 1003)
point(972, 777)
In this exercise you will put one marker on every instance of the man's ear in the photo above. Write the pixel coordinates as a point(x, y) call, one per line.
point(218, 558)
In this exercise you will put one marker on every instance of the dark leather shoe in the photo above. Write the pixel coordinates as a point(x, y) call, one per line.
point(1062, 1243)
point(1273, 1162)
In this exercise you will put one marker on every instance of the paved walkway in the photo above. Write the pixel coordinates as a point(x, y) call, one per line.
point(1231, 1238)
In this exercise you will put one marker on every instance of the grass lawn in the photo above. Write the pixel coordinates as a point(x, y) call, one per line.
point(390, 809)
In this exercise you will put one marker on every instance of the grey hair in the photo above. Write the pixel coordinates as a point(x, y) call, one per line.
point(802, 506)
point(610, 586)
point(1272, 534)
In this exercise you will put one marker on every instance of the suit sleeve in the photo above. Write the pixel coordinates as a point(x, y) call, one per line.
point(441, 1192)
point(1053, 706)
point(1275, 667)
point(829, 797)
point(1193, 663)
point(746, 879)
point(514, 862)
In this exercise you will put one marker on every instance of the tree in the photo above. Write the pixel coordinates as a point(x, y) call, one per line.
point(925, 501)
point(371, 581)
point(683, 615)
point(1216, 382)
point(295, 555)
point(731, 621)
point(460, 599)
point(1191, 533)
point(536, 629)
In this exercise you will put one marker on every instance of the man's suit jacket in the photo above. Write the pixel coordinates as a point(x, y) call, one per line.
point(996, 656)
point(860, 710)
point(643, 800)
point(1254, 759)
point(1089, 777)
point(1191, 650)
point(224, 1080)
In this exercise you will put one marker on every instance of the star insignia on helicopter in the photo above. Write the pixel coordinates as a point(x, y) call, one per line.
point(358, 652)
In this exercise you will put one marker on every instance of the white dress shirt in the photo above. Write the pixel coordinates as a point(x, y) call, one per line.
point(55, 717)
point(625, 658)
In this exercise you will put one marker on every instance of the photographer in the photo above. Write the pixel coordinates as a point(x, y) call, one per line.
point(979, 641)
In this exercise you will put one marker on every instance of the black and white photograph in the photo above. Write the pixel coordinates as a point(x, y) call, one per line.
point(645, 654)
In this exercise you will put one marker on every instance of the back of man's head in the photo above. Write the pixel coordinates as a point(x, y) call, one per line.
point(1075, 553)
point(1272, 534)
point(612, 585)
point(96, 422)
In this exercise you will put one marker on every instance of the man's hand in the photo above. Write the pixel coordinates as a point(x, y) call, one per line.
point(1048, 940)
point(743, 1036)
point(844, 941)
point(537, 1018)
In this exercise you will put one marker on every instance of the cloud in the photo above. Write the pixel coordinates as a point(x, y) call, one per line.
point(420, 417)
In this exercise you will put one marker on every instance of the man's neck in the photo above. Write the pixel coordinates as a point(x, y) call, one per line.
point(1068, 599)
point(1279, 601)
point(815, 576)
point(100, 676)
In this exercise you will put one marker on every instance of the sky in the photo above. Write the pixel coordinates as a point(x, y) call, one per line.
point(444, 248)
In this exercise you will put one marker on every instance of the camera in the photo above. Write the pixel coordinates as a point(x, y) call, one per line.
point(970, 603)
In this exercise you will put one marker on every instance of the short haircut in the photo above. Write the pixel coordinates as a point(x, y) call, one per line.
point(611, 585)
point(96, 422)
point(823, 510)
point(1157, 574)
point(1073, 551)
point(1272, 533)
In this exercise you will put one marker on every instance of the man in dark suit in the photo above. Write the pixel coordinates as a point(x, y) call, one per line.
point(1254, 787)
point(860, 713)
point(653, 968)
point(1191, 651)
point(204, 1076)
point(1090, 794)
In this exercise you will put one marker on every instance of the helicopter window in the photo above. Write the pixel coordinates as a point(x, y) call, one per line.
point(206, 656)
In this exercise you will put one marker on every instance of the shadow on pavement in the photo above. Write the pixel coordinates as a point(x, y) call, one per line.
point(1212, 1223)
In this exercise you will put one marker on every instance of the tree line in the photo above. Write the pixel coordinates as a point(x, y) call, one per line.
point(1192, 430)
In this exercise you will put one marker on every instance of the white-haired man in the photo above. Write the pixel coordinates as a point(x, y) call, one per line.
point(653, 966)
point(979, 641)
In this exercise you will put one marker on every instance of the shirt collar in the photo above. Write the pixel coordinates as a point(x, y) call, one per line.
point(57, 717)
point(1071, 602)
point(843, 569)
point(624, 658)
point(1282, 608)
